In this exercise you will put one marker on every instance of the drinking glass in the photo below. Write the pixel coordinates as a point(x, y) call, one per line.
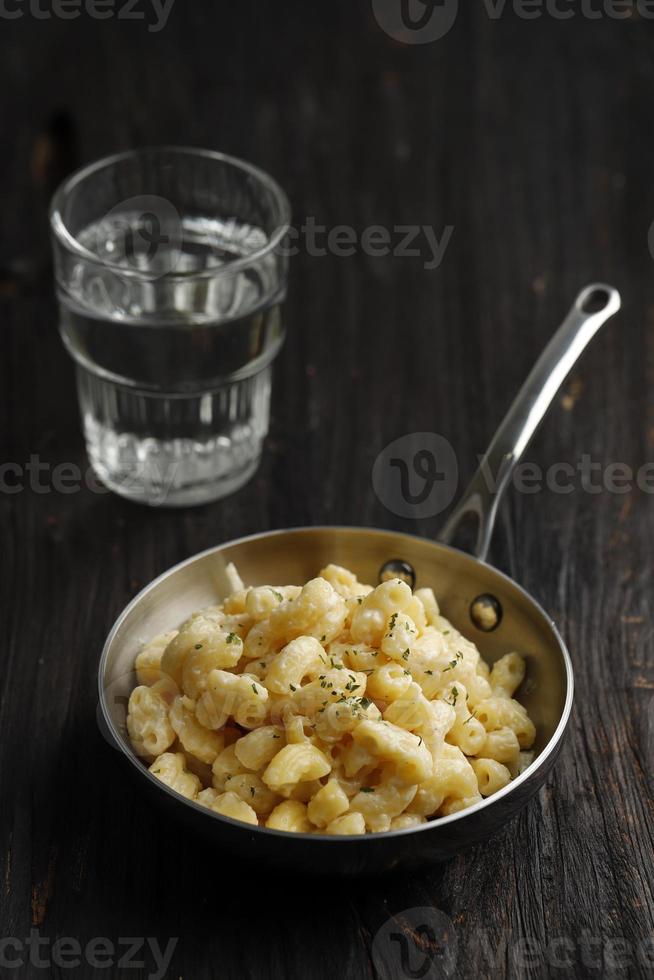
point(170, 272)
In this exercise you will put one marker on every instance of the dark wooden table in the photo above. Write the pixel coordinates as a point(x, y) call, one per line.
point(533, 139)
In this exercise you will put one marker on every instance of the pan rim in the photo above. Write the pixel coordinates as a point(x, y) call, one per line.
point(549, 748)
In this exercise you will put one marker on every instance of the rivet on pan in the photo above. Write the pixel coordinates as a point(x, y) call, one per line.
point(398, 568)
point(486, 612)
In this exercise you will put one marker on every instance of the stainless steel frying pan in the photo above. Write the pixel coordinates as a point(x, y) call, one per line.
point(482, 602)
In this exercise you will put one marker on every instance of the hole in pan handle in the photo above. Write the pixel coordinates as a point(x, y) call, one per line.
point(398, 568)
point(593, 307)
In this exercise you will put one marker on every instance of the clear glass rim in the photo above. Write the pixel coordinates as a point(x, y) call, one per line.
point(71, 244)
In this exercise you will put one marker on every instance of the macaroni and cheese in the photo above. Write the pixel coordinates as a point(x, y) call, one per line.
point(335, 708)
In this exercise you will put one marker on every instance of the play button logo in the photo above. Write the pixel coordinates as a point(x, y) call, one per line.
point(415, 21)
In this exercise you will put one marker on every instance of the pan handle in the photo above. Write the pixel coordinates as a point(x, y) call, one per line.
point(594, 306)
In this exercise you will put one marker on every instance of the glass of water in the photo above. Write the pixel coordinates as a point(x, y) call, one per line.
point(170, 271)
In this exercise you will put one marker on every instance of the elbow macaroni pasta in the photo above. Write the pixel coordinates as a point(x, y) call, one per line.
point(333, 708)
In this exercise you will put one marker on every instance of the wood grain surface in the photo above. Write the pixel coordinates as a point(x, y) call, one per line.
point(533, 139)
